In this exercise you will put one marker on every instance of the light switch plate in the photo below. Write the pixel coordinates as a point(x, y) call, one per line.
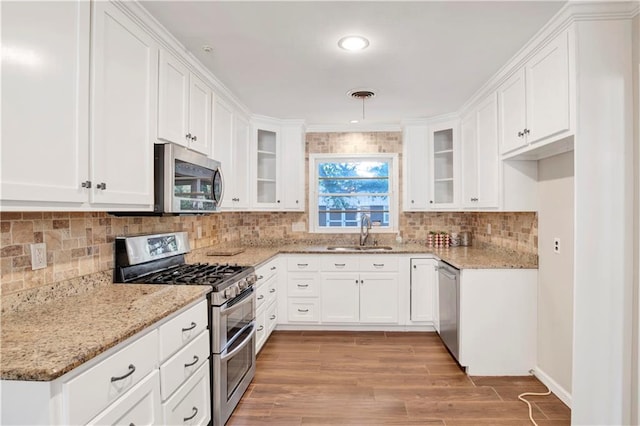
point(38, 256)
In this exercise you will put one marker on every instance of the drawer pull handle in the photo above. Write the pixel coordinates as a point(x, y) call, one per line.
point(195, 413)
point(340, 265)
point(303, 285)
point(260, 277)
point(132, 369)
point(260, 328)
point(272, 317)
point(378, 265)
point(303, 265)
point(261, 297)
point(303, 310)
point(273, 290)
point(193, 325)
point(195, 361)
point(273, 268)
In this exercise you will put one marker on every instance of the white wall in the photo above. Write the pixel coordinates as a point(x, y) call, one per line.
point(555, 273)
point(635, 396)
point(604, 184)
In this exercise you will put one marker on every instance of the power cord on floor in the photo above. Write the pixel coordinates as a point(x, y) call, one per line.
point(520, 397)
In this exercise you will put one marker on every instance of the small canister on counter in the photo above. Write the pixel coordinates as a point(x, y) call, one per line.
point(465, 238)
point(455, 239)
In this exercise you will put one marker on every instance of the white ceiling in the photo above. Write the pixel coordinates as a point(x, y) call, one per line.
point(281, 59)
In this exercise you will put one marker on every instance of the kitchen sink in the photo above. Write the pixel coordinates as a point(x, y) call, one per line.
point(359, 248)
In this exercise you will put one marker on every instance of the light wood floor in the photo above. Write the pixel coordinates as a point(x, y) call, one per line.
point(374, 378)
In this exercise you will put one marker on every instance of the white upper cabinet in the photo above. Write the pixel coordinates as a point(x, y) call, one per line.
point(184, 106)
point(45, 104)
point(240, 165)
point(293, 176)
point(277, 164)
point(443, 162)
point(55, 76)
point(480, 162)
point(415, 139)
point(123, 91)
point(535, 103)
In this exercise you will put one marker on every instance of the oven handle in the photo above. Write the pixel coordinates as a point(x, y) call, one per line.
point(248, 298)
point(242, 345)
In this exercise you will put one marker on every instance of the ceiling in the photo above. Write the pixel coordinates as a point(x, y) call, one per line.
point(425, 58)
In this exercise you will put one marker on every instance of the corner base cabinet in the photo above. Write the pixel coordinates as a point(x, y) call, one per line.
point(148, 379)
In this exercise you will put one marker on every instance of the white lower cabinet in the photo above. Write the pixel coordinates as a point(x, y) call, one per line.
point(266, 301)
point(191, 404)
point(303, 310)
point(424, 285)
point(139, 406)
point(127, 384)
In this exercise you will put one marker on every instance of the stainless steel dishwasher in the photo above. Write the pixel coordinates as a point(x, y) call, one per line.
point(449, 306)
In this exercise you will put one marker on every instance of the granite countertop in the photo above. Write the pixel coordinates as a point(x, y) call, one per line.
point(47, 340)
point(485, 257)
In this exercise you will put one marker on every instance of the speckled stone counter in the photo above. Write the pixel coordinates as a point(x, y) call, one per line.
point(485, 257)
point(45, 340)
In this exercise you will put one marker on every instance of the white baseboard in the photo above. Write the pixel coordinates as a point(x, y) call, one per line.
point(553, 386)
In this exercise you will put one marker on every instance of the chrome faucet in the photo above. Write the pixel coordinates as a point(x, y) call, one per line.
point(365, 225)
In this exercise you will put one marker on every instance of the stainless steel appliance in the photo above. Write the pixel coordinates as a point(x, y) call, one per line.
point(159, 259)
point(449, 307)
point(185, 181)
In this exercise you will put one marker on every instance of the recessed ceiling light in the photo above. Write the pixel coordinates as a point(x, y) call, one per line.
point(353, 42)
point(207, 48)
point(354, 122)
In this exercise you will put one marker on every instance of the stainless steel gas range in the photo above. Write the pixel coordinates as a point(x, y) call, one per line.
point(160, 259)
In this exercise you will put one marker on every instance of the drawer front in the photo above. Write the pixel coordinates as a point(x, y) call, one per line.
point(182, 329)
point(378, 263)
point(303, 310)
point(139, 406)
point(272, 289)
point(340, 263)
point(182, 365)
point(302, 285)
point(93, 390)
point(191, 404)
point(261, 327)
point(262, 290)
point(267, 270)
point(271, 317)
point(305, 263)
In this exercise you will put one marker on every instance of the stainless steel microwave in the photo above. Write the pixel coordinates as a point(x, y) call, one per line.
point(185, 182)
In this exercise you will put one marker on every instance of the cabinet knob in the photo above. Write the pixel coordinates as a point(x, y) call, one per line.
point(278, 201)
point(296, 201)
point(430, 201)
point(412, 201)
point(86, 184)
point(526, 131)
point(188, 135)
point(520, 134)
point(102, 186)
point(194, 138)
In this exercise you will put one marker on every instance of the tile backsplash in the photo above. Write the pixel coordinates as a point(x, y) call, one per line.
point(82, 243)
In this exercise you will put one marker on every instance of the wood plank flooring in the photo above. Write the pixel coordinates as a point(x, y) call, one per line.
point(375, 378)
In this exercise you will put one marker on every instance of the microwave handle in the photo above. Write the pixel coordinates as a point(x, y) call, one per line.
point(218, 202)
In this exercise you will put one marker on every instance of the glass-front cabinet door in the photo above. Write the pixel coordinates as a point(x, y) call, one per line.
point(443, 144)
point(266, 191)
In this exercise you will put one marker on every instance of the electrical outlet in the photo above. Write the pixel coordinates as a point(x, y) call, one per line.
point(297, 227)
point(38, 256)
point(199, 231)
point(556, 245)
point(488, 229)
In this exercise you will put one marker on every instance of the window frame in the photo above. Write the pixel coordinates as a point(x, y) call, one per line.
point(394, 177)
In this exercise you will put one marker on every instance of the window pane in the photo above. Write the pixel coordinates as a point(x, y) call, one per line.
point(353, 202)
point(354, 169)
point(349, 186)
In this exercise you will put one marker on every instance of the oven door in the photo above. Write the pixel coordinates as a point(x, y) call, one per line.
point(233, 370)
point(231, 319)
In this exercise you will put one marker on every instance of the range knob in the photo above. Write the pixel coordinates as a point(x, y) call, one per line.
point(231, 292)
point(251, 279)
point(242, 284)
